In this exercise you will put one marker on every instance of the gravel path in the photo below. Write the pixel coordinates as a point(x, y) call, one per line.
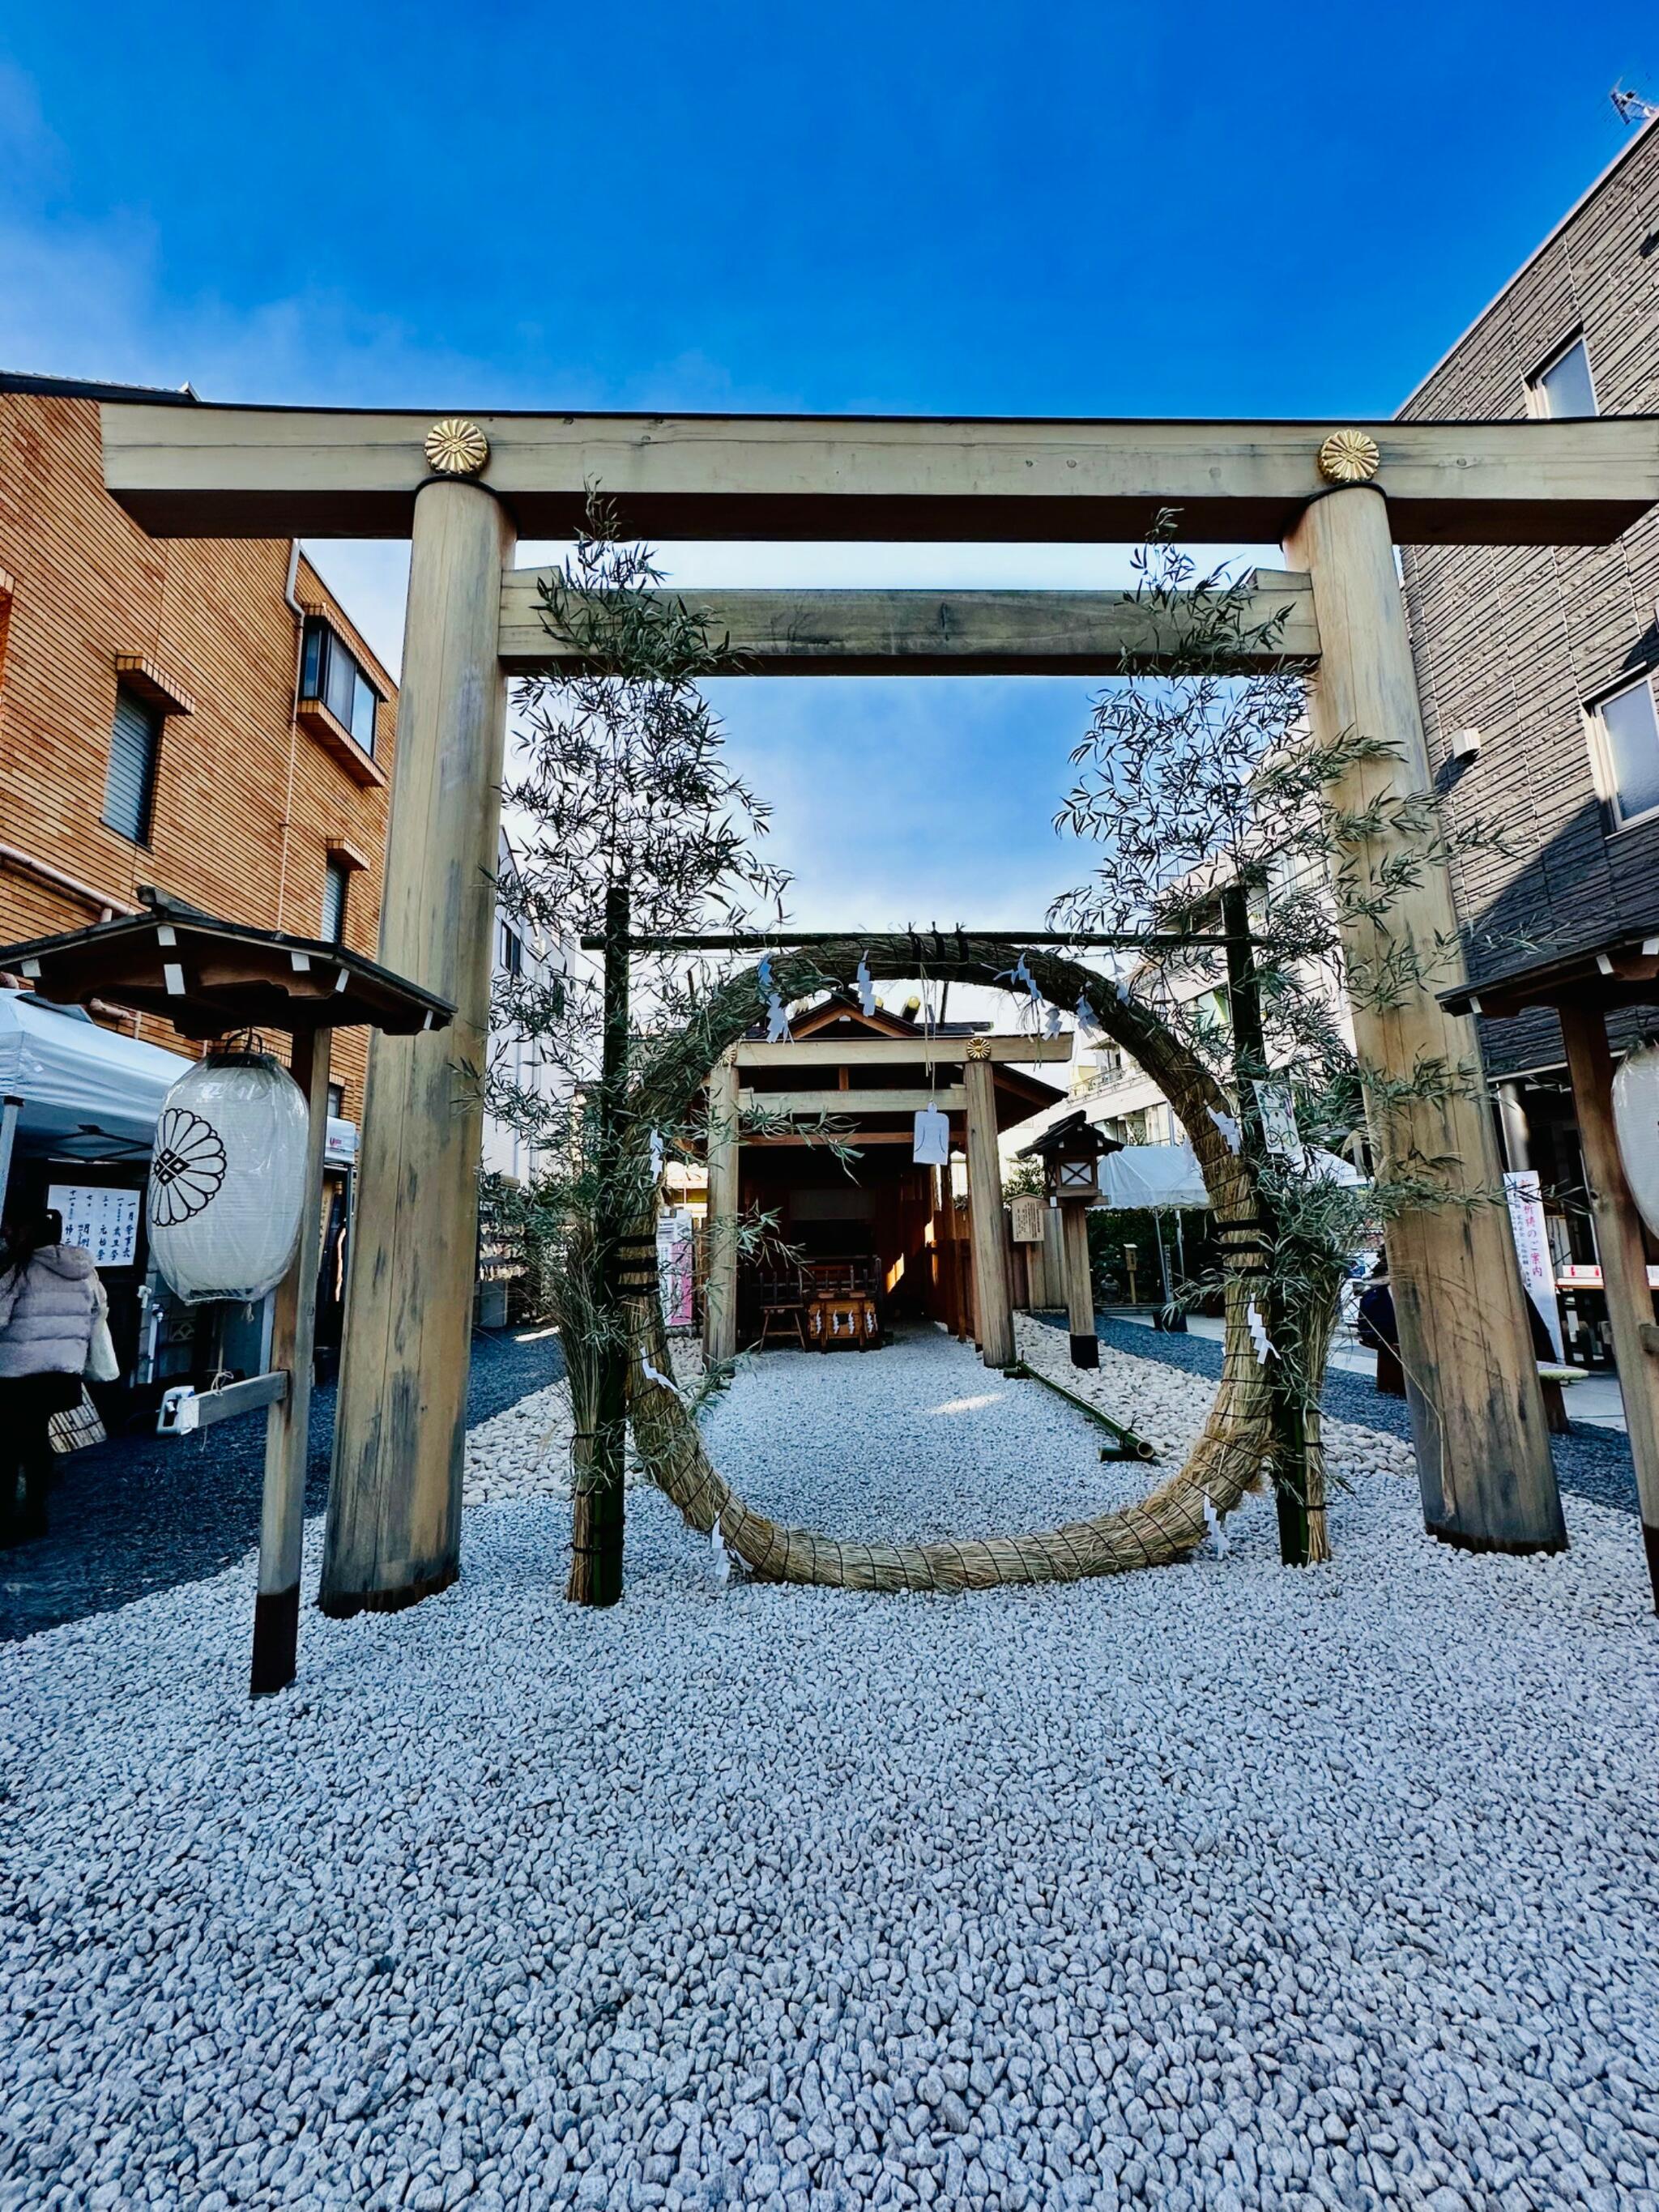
point(1590, 1463)
point(144, 1512)
point(1214, 1886)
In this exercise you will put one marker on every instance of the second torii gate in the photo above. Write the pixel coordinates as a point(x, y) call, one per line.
point(464, 488)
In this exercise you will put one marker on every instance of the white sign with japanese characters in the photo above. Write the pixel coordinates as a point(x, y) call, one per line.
point(102, 1221)
point(1532, 1248)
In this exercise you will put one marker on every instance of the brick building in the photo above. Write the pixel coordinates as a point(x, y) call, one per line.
point(202, 717)
point(1538, 667)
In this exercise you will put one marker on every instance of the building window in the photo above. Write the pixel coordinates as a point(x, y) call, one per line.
point(336, 882)
point(135, 746)
point(511, 951)
point(1563, 388)
point(337, 1101)
point(330, 676)
point(1626, 728)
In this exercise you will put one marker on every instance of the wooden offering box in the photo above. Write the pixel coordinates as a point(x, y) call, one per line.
point(845, 1321)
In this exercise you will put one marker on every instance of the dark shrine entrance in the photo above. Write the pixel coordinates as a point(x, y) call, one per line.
point(879, 1227)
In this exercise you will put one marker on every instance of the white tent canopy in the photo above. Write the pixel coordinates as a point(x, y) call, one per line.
point(1159, 1178)
point(77, 1081)
point(94, 1091)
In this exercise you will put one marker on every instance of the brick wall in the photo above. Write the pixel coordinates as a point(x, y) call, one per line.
point(245, 802)
point(1514, 641)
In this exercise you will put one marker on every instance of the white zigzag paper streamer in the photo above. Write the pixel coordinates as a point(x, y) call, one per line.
point(1218, 1536)
point(1259, 1337)
point(655, 1375)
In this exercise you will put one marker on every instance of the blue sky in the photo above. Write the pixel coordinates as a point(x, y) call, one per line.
point(1072, 210)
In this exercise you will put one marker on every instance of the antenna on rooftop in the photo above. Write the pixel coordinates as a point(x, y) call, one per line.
point(1631, 107)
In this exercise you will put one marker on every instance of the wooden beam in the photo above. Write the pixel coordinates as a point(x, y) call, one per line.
point(288, 1425)
point(860, 1140)
point(952, 1098)
point(206, 472)
point(720, 1288)
point(884, 632)
point(897, 1052)
point(993, 1306)
point(1080, 1285)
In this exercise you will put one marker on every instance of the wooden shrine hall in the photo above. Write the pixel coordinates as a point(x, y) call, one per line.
point(860, 1243)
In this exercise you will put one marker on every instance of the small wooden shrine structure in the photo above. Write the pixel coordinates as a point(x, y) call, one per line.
point(879, 1227)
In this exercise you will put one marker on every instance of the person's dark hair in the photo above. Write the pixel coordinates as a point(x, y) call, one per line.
point(30, 1233)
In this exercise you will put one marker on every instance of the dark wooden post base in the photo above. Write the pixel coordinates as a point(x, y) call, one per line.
point(275, 1641)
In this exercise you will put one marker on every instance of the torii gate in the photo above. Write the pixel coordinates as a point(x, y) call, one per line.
point(463, 489)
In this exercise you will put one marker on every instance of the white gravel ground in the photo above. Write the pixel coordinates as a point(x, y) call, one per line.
point(1214, 1886)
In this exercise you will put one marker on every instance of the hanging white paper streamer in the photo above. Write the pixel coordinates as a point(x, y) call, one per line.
point(764, 974)
point(1259, 1337)
point(1228, 1127)
point(1051, 1021)
point(722, 1557)
point(866, 988)
point(655, 1375)
point(1019, 973)
point(1218, 1537)
point(777, 1021)
point(656, 1156)
point(1085, 1013)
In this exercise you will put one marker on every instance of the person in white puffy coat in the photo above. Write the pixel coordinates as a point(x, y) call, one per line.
point(51, 1302)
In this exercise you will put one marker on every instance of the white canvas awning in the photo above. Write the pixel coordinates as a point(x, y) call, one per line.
point(92, 1091)
point(1160, 1178)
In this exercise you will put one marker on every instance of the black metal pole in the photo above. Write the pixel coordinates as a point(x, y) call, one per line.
point(1289, 1432)
point(597, 1531)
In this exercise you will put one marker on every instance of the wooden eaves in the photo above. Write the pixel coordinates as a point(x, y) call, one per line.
point(1624, 972)
point(208, 976)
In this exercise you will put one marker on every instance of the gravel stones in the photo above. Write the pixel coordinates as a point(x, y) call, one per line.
point(1215, 1886)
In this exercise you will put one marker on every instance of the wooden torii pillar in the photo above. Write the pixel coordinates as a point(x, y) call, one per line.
point(394, 1500)
point(260, 472)
point(1482, 1443)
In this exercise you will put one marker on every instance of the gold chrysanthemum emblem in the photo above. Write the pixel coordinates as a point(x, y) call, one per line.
point(1348, 457)
point(456, 447)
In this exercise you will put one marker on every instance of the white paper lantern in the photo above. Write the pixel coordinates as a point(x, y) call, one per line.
point(228, 1178)
point(1636, 1124)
